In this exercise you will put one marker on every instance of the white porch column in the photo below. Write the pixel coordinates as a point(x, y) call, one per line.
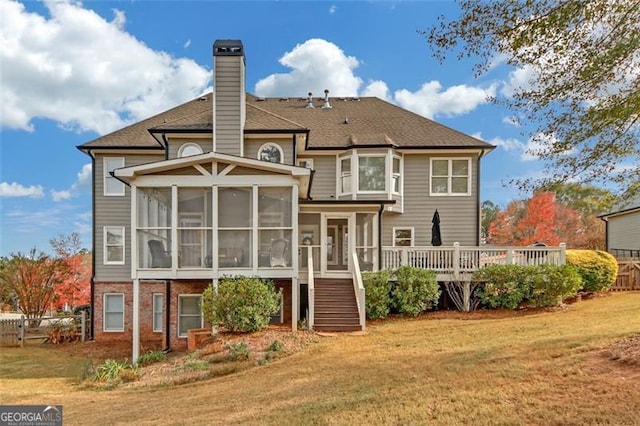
point(294, 303)
point(135, 350)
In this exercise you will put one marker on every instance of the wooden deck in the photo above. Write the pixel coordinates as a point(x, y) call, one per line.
point(459, 262)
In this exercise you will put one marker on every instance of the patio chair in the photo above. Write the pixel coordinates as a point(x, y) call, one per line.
point(160, 258)
point(277, 253)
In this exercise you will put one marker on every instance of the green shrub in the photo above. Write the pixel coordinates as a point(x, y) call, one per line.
point(377, 290)
point(551, 284)
point(415, 290)
point(505, 286)
point(238, 351)
point(598, 269)
point(150, 357)
point(241, 303)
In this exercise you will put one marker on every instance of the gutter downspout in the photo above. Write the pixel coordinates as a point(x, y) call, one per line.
point(167, 326)
point(166, 146)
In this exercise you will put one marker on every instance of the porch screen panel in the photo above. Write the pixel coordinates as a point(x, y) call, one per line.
point(274, 226)
point(194, 227)
point(235, 227)
point(366, 246)
point(154, 227)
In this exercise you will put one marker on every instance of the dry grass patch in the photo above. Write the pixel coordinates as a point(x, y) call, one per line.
point(542, 367)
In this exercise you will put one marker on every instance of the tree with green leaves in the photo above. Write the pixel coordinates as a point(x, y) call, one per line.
point(581, 94)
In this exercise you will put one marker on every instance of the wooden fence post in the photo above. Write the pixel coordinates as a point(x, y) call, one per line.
point(509, 259)
point(563, 253)
point(83, 325)
point(21, 331)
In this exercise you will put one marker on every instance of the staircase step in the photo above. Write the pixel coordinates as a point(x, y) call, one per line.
point(337, 328)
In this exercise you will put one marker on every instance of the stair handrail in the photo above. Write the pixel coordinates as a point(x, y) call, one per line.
point(358, 288)
point(310, 287)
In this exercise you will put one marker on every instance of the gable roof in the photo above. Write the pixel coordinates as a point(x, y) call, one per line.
point(624, 207)
point(351, 122)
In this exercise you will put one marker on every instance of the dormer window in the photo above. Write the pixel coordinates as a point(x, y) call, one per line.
point(271, 152)
point(189, 149)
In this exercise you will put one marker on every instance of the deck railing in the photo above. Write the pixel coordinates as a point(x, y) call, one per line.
point(457, 260)
point(358, 288)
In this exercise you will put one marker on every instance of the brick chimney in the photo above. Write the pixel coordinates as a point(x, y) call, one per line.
point(229, 103)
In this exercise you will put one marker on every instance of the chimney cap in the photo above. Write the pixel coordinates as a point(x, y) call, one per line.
point(228, 48)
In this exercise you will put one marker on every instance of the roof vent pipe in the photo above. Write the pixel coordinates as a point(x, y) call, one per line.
point(310, 101)
point(326, 104)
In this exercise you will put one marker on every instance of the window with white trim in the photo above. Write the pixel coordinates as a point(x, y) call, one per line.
point(112, 186)
point(113, 312)
point(396, 175)
point(271, 152)
point(371, 173)
point(345, 175)
point(189, 313)
point(189, 149)
point(158, 302)
point(305, 162)
point(450, 176)
point(402, 237)
point(113, 249)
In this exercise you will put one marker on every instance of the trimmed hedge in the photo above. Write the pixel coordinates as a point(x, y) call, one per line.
point(415, 290)
point(241, 303)
point(597, 268)
point(507, 286)
point(377, 290)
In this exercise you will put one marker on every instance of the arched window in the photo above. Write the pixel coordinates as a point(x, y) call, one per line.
point(270, 152)
point(189, 149)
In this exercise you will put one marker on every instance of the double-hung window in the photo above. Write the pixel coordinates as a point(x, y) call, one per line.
point(396, 175)
point(450, 176)
point(345, 175)
point(113, 312)
point(112, 186)
point(402, 237)
point(113, 245)
point(189, 313)
point(158, 301)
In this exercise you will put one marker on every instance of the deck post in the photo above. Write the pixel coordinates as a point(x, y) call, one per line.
point(563, 253)
point(83, 325)
point(509, 259)
point(456, 260)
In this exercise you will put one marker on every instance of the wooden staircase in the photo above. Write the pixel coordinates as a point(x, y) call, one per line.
point(335, 308)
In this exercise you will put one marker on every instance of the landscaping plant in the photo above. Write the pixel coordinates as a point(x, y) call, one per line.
point(242, 304)
point(378, 293)
point(415, 290)
point(598, 269)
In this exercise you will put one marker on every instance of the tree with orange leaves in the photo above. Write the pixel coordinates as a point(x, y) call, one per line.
point(74, 287)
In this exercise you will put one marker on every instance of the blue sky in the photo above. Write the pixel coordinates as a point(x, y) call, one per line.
point(72, 71)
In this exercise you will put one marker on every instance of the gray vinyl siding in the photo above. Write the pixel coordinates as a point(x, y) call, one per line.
point(251, 147)
point(229, 93)
point(324, 178)
point(114, 211)
point(175, 144)
point(624, 231)
point(458, 214)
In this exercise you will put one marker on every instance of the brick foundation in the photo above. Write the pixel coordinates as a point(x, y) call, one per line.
point(150, 339)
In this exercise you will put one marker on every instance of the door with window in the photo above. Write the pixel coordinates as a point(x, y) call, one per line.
point(336, 244)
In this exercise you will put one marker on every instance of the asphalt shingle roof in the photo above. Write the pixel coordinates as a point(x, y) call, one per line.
point(350, 122)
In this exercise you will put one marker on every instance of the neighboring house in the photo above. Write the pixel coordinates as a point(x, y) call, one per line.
point(623, 229)
point(233, 184)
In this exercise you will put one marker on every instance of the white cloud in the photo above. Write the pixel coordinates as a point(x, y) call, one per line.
point(187, 44)
point(378, 89)
point(60, 195)
point(430, 100)
point(84, 175)
point(16, 190)
point(84, 179)
point(508, 144)
point(315, 65)
point(332, 9)
point(318, 64)
point(512, 121)
point(520, 80)
point(83, 71)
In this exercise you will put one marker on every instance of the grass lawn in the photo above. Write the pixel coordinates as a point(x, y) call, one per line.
point(542, 368)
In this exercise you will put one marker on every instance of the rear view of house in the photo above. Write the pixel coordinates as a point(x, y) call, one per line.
point(306, 191)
